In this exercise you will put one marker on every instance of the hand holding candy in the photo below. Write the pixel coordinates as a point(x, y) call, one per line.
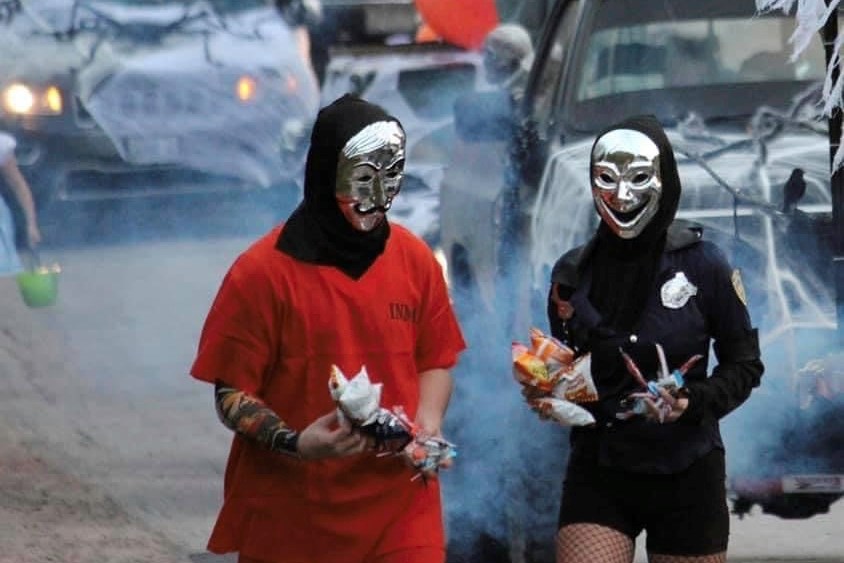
point(665, 408)
point(330, 436)
point(428, 454)
point(554, 383)
point(358, 401)
point(658, 400)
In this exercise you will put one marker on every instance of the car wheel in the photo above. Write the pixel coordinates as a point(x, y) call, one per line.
point(799, 506)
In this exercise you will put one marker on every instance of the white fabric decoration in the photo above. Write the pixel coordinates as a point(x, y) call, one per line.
point(811, 16)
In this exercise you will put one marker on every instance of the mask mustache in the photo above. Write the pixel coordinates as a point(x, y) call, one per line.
point(375, 209)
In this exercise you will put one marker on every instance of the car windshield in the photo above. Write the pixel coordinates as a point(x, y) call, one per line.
point(45, 16)
point(220, 6)
point(675, 59)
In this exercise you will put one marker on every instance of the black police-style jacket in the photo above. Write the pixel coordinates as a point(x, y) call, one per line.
point(715, 312)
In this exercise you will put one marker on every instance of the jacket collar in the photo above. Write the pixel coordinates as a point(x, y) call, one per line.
point(567, 271)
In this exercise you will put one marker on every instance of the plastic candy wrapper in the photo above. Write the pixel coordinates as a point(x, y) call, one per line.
point(575, 382)
point(358, 400)
point(531, 371)
point(554, 353)
point(553, 379)
point(429, 454)
point(562, 411)
point(662, 393)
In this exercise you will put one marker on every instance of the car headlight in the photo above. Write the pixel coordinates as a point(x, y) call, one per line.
point(246, 89)
point(21, 99)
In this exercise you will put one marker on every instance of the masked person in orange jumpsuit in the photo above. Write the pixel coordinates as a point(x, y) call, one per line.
point(336, 284)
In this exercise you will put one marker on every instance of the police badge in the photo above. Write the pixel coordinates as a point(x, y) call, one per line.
point(677, 291)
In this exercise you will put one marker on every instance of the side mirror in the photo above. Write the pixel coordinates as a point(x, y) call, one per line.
point(484, 116)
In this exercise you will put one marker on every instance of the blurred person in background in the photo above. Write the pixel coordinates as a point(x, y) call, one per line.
point(16, 184)
point(508, 56)
point(653, 460)
point(337, 284)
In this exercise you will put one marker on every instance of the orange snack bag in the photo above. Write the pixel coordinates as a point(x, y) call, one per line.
point(530, 370)
point(550, 350)
point(575, 383)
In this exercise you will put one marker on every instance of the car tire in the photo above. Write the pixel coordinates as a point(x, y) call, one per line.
point(798, 506)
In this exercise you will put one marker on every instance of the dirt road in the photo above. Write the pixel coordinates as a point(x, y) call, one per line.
point(48, 514)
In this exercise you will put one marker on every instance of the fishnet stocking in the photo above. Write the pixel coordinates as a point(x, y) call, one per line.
point(591, 543)
point(714, 558)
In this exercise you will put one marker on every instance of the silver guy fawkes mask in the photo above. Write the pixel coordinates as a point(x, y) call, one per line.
point(369, 174)
point(626, 182)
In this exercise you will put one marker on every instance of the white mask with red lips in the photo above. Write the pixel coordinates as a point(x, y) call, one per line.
point(369, 174)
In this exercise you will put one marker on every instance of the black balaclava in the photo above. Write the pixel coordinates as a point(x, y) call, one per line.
point(624, 270)
point(317, 232)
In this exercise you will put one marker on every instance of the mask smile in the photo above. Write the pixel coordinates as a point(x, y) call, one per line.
point(627, 217)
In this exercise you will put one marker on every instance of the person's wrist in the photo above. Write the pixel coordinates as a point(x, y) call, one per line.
point(427, 430)
point(693, 413)
point(290, 444)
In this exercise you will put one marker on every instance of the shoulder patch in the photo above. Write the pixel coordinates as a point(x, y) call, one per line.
point(738, 286)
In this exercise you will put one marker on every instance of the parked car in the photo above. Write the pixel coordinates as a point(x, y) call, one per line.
point(742, 117)
point(418, 83)
point(122, 98)
point(354, 23)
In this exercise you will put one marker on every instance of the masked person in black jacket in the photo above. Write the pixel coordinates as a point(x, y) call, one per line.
point(649, 288)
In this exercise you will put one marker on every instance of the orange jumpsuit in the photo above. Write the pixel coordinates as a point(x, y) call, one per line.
point(274, 330)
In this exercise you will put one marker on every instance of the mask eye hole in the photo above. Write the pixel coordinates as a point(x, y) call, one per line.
point(641, 179)
point(605, 178)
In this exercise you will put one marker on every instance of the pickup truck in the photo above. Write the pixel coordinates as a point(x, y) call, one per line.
point(742, 117)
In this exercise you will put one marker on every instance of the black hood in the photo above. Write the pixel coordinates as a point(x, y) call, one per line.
point(317, 232)
point(670, 198)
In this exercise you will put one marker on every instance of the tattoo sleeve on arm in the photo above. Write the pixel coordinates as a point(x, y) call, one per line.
point(252, 418)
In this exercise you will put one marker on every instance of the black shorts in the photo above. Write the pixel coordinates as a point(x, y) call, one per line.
point(683, 514)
